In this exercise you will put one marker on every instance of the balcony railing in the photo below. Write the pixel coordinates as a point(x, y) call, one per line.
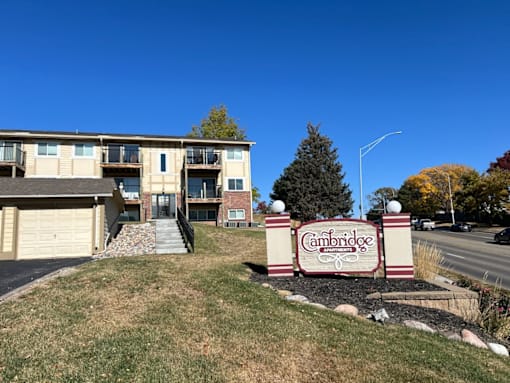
point(205, 194)
point(203, 157)
point(12, 153)
point(121, 155)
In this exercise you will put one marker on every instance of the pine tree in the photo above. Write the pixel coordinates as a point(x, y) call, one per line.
point(312, 185)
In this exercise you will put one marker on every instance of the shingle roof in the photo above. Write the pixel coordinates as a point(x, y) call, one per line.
point(56, 187)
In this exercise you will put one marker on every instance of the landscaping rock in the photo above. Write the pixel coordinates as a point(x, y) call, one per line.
point(284, 293)
point(419, 326)
point(133, 239)
point(347, 309)
point(296, 298)
point(316, 305)
point(498, 349)
point(471, 338)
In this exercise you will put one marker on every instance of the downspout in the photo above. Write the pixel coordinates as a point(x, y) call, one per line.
point(184, 199)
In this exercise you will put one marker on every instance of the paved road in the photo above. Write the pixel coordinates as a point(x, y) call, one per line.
point(473, 254)
point(14, 274)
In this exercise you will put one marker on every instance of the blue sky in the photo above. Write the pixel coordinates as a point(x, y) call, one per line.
point(437, 70)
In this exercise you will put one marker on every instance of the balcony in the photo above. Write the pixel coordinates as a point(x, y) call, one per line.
point(123, 156)
point(205, 195)
point(11, 156)
point(203, 159)
point(129, 189)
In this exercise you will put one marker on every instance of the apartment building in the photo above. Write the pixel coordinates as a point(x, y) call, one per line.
point(208, 179)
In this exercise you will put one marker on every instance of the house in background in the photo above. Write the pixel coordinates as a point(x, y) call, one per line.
point(209, 180)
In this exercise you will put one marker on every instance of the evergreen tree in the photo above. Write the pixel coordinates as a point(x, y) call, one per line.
point(312, 185)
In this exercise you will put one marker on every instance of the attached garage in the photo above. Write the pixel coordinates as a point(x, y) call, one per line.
point(51, 233)
point(65, 218)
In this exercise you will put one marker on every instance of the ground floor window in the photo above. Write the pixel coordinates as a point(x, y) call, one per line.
point(202, 215)
point(236, 214)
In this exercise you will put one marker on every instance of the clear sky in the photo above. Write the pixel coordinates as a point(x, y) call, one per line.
point(438, 70)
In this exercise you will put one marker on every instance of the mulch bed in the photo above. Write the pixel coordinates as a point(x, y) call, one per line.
point(333, 291)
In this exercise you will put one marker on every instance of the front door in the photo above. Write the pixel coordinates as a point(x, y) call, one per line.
point(163, 206)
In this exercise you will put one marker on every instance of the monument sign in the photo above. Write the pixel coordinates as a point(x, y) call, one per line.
point(338, 246)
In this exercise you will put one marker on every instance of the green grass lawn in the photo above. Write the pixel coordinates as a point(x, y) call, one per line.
point(197, 318)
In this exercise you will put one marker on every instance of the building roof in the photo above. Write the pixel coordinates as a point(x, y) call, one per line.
point(56, 187)
point(185, 140)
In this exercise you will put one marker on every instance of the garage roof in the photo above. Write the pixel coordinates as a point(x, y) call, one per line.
point(56, 187)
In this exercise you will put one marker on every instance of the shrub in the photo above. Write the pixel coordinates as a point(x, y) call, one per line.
point(494, 304)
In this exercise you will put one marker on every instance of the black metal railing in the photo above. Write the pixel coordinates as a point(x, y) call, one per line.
point(203, 157)
point(187, 229)
point(12, 153)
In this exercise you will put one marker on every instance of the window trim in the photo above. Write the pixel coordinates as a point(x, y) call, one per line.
point(57, 144)
point(93, 155)
point(233, 150)
point(243, 211)
point(235, 178)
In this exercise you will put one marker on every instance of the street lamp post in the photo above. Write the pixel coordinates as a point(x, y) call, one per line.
point(452, 210)
point(362, 152)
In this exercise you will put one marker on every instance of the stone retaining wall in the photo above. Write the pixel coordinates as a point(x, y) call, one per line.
point(454, 299)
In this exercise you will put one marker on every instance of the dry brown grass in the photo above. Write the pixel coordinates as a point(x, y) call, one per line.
point(428, 260)
point(196, 318)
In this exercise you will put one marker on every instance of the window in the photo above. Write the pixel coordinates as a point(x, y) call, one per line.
point(202, 215)
point(236, 214)
point(162, 162)
point(234, 154)
point(84, 150)
point(47, 149)
point(235, 184)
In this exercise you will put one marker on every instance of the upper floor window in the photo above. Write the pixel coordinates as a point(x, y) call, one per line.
point(235, 184)
point(162, 162)
point(49, 149)
point(84, 150)
point(234, 154)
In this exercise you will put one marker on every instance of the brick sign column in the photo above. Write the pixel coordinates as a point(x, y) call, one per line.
point(398, 248)
point(279, 248)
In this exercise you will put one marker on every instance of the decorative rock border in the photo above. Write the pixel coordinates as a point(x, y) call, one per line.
point(449, 299)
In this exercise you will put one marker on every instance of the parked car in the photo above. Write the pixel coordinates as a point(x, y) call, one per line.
point(502, 236)
point(424, 224)
point(462, 226)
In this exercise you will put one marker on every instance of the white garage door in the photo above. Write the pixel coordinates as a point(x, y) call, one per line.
point(49, 233)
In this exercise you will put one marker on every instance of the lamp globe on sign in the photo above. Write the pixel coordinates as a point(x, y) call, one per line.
point(278, 207)
point(394, 207)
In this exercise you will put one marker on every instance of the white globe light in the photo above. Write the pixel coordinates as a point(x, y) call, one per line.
point(394, 207)
point(277, 207)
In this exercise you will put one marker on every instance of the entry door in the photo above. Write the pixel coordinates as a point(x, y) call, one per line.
point(163, 206)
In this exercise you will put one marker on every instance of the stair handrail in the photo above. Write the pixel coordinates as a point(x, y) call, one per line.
point(187, 229)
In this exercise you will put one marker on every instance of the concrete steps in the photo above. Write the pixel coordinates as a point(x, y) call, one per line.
point(169, 238)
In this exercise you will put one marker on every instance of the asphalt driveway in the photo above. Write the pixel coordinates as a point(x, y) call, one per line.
point(14, 274)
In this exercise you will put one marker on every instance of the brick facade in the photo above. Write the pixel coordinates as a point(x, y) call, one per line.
point(237, 200)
